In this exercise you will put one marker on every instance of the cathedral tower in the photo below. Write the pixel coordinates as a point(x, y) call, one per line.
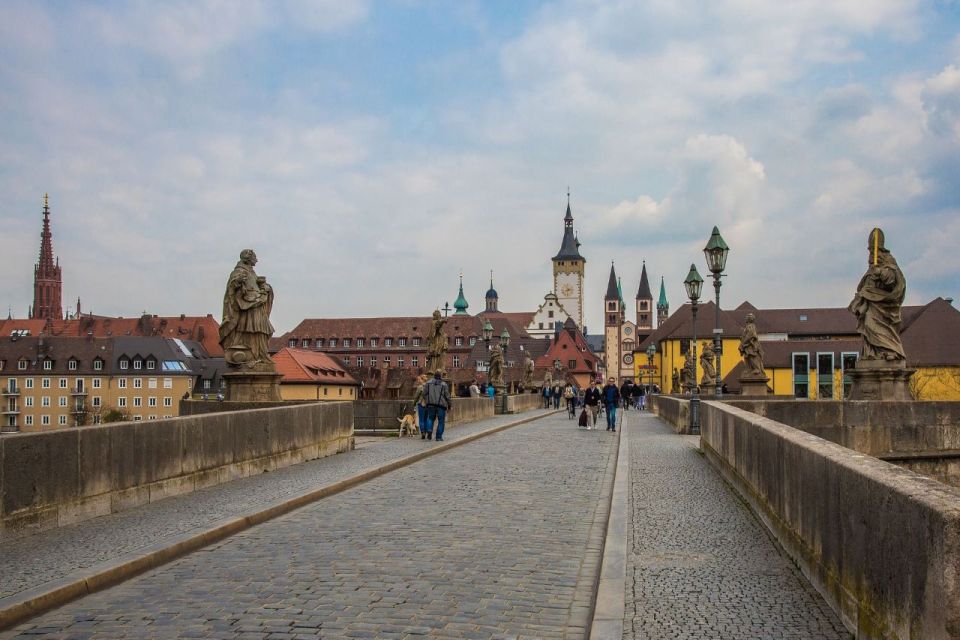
point(568, 271)
point(644, 304)
point(612, 321)
point(47, 282)
point(663, 308)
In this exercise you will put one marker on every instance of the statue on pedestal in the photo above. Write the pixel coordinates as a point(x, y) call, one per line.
point(877, 303)
point(436, 343)
point(750, 349)
point(496, 367)
point(675, 380)
point(709, 378)
point(245, 328)
point(527, 371)
point(689, 374)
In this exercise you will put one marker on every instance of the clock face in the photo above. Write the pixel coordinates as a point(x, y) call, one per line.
point(628, 330)
point(628, 359)
point(566, 290)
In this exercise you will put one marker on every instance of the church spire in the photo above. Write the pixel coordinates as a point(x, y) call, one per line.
point(47, 282)
point(663, 308)
point(570, 246)
point(461, 303)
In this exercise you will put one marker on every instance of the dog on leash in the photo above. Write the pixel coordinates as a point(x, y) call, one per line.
point(408, 425)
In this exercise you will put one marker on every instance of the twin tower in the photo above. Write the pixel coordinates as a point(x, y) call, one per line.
point(621, 336)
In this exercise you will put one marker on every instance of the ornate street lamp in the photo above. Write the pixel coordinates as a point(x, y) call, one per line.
point(487, 332)
point(693, 284)
point(716, 254)
point(505, 340)
point(651, 351)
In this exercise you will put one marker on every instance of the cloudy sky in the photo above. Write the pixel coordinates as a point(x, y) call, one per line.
point(369, 151)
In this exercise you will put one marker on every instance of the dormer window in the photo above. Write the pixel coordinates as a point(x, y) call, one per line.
point(98, 364)
point(458, 342)
point(374, 342)
point(22, 364)
point(124, 363)
point(151, 364)
point(48, 365)
point(138, 364)
point(72, 364)
point(345, 342)
point(360, 342)
point(319, 343)
point(305, 343)
point(416, 343)
point(292, 342)
point(401, 342)
point(388, 342)
point(332, 343)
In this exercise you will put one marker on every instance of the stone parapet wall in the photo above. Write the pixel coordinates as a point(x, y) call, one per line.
point(881, 544)
point(523, 402)
point(59, 477)
point(381, 415)
point(672, 409)
point(202, 407)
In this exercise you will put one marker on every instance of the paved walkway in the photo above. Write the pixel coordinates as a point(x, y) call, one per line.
point(51, 555)
point(499, 538)
point(699, 564)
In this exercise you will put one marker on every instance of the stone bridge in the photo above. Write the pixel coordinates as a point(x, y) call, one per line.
point(244, 525)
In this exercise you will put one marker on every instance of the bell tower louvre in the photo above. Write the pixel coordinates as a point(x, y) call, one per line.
point(47, 283)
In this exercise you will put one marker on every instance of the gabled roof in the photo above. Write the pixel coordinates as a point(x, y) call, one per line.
point(569, 344)
point(304, 366)
point(932, 337)
point(32, 327)
point(644, 293)
point(203, 329)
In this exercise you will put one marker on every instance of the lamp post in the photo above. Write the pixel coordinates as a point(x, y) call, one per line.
point(651, 351)
point(693, 284)
point(716, 255)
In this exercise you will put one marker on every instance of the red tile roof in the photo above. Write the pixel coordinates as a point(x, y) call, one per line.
point(203, 329)
point(33, 327)
point(303, 366)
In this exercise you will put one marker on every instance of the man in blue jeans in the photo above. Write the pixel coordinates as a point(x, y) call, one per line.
point(611, 400)
point(437, 395)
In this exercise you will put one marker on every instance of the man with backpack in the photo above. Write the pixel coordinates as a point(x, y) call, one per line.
point(591, 400)
point(611, 400)
point(437, 395)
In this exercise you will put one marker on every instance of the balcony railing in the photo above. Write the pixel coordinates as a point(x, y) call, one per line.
point(78, 391)
point(11, 411)
point(11, 391)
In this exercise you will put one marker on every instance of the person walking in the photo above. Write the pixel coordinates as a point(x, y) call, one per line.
point(556, 393)
point(421, 402)
point(474, 390)
point(570, 396)
point(437, 395)
point(611, 400)
point(546, 396)
point(591, 400)
point(641, 397)
point(626, 392)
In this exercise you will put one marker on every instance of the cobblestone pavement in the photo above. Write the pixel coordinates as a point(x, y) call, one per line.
point(31, 561)
point(500, 538)
point(699, 564)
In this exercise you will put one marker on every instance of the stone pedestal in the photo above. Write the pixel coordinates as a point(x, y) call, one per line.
point(881, 380)
point(754, 385)
point(253, 386)
point(708, 390)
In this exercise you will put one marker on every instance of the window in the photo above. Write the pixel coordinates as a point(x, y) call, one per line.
point(318, 343)
point(151, 364)
point(359, 361)
point(96, 383)
point(167, 401)
point(63, 401)
point(825, 376)
point(28, 421)
point(388, 342)
point(98, 365)
point(63, 383)
point(3, 363)
point(138, 364)
point(374, 342)
point(124, 364)
point(121, 383)
point(346, 361)
point(401, 342)
point(137, 418)
point(137, 401)
point(62, 420)
point(122, 401)
point(206, 384)
point(346, 342)
point(151, 401)
point(72, 364)
point(45, 383)
point(152, 383)
point(95, 400)
point(611, 306)
point(173, 365)
point(28, 383)
point(458, 341)
point(22, 365)
point(28, 401)
point(168, 383)
point(292, 342)
point(305, 343)
point(373, 361)
point(801, 371)
point(473, 340)
point(360, 342)
point(416, 342)
point(386, 361)
point(848, 361)
point(571, 364)
point(644, 305)
point(400, 361)
point(332, 342)
point(138, 383)
point(45, 401)
point(45, 420)
point(414, 361)
point(48, 365)
point(550, 314)
point(456, 361)
point(151, 417)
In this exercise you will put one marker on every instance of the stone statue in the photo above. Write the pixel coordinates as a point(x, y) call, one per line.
point(436, 343)
point(709, 378)
point(750, 349)
point(676, 381)
point(496, 367)
point(527, 371)
point(689, 375)
point(246, 327)
point(877, 303)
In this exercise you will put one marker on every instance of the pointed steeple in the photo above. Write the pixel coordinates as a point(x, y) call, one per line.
point(663, 295)
point(47, 282)
point(460, 304)
point(644, 293)
point(491, 297)
point(613, 289)
point(570, 246)
point(663, 308)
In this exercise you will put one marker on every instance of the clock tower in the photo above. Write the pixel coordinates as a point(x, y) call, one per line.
point(612, 321)
point(568, 271)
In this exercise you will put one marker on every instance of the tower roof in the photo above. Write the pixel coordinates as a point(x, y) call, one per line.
point(45, 264)
point(491, 292)
point(644, 293)
point(663, 295)
point(570, 246)
point(461, 303)
point(613, 292)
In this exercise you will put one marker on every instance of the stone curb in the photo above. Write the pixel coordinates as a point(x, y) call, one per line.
point(610, 602)
point(19, 607)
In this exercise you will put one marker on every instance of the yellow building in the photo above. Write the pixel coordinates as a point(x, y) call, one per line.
point(56, 382)
point(313, 375)
point(807, 352)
